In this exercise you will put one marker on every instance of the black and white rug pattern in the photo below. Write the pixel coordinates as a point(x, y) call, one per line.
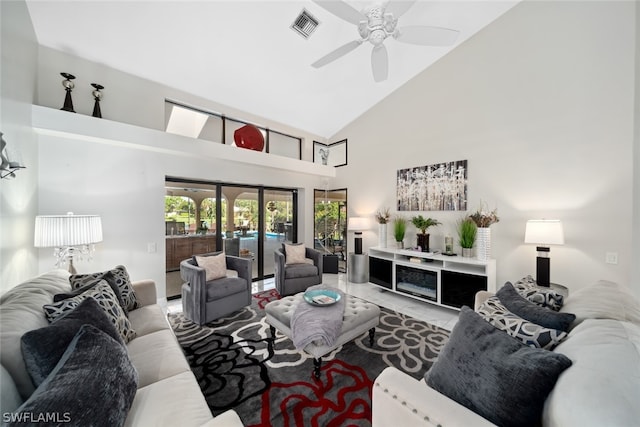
point(230, 357)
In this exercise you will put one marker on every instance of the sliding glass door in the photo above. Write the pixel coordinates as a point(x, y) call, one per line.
point(243, 220)
point(279, 223)
point(330, 225)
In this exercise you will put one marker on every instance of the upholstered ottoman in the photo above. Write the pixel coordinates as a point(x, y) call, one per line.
point(359, 317)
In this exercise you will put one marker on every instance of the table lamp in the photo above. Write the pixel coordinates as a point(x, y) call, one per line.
point(358, 225)
point(70, 235)
point(544, 232)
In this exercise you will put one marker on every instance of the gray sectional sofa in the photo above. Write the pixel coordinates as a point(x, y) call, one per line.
point(600, 388)
point(167, 392)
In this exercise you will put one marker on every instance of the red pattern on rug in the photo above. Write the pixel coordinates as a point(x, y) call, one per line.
point(310, 404)
point(264, 298)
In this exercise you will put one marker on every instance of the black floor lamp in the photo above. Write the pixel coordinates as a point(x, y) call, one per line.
point(544, 232)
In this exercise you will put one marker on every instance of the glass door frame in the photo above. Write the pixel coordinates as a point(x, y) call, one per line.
point(218, 185)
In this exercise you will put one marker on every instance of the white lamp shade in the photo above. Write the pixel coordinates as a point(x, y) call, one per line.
point(544, 232)
point(358, 223)
point(56, 231)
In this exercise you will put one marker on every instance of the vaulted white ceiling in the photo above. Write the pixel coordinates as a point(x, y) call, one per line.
point(245, 55)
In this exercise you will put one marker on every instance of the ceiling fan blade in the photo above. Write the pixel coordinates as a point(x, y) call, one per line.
point(341, 10)
point(379, 63)
point(335, 54)
point(427, 36)
point(399, 7)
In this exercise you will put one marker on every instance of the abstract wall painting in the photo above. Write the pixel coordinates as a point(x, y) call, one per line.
point(437, 187)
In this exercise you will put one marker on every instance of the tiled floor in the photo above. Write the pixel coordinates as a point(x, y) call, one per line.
point(445, 318)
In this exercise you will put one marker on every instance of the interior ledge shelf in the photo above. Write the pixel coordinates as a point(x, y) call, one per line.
point(49, 121)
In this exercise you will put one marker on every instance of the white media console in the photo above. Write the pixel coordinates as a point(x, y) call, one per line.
point(449, 281)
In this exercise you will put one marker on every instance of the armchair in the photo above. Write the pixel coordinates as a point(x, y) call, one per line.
point(293, 278)
point(204, 301)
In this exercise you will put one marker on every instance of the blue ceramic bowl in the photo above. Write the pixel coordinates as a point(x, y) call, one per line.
point(321, 297)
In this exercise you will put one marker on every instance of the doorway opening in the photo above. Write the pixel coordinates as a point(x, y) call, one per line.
point(330, 224)
point(243, 220)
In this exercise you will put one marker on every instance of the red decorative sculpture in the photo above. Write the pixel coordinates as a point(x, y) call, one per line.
point(249, 137)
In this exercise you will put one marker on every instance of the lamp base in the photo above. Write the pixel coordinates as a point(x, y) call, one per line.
point(543, 268)
point(72, 269)
point(357, 243)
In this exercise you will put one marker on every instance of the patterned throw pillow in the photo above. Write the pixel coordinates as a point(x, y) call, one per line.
point(294, 254)
point(105, 298)
point(89, 282)
point(546, 297)
point(120, 278)
point(529, 333)
point(215, 266)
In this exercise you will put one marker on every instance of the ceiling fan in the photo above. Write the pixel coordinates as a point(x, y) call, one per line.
point(376, 23)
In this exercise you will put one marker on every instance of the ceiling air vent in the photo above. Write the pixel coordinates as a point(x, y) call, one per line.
point(304, 24)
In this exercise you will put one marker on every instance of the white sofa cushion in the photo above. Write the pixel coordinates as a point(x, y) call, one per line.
point(157, 356)
point(602, 387)
point(174, 401)
point(603, 300)
point(148, 319)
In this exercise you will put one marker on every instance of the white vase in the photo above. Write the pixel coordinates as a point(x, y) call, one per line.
point(382, 235)
point(483, 244)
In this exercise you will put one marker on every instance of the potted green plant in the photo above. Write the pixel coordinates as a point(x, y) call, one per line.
point(422, 224)
point(467, 230)
point(399, 230)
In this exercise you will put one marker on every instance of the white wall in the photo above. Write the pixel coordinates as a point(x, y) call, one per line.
point(18, 197)
point(635, 275)
point(131, 99)
point(124, 183)
point(541, 104)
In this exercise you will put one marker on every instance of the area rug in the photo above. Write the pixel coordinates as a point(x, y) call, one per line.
point(232, 363)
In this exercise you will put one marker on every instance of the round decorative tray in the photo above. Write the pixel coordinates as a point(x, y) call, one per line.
point(321, 297)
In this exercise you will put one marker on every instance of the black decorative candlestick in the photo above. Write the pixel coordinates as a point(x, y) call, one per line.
point(97, 95)
point(68, 87)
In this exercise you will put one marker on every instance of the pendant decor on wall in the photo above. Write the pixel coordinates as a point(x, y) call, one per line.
point(249, 137)
point(437, 187)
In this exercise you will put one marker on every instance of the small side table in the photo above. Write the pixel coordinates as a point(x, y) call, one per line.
point(357, 268)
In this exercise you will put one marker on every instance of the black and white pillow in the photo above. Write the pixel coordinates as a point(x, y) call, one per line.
point(82, 283)
point(528, 288)
point(494, 312)
point(106, 299)
point(119, 276)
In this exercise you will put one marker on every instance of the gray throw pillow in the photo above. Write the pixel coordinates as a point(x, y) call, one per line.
point(531, 334)
point(42, 348)
point(94, 383)
point(81, 283)
point(494, 375)
point(532, 312)
point(120, 278)
point(107, 301)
